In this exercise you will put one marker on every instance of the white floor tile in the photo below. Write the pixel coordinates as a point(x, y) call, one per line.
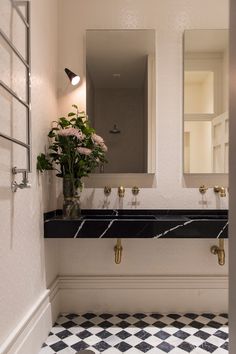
point(132, 340)
point(46, 350)
point(71, 340)
point(52, 339)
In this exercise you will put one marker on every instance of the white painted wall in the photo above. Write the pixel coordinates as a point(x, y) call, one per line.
point(170, 19)
point(22, 269)
point(232, 176)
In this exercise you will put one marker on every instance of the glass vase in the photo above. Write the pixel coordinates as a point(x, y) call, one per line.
point(71, 203)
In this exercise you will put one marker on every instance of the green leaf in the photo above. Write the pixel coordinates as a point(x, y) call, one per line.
point(64, 122)
point(43, 163)
point(51, 134)
point(54, 146)
point(75, 106)
point(71, 114)
point(53, 155)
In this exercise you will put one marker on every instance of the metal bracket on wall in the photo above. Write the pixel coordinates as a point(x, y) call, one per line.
point(25, 180)
point(25, 17)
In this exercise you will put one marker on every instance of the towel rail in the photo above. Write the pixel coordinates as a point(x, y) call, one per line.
point(15, 4)
point(9, 90)
point(16, 141)
point(15, 50)
point(27, 103)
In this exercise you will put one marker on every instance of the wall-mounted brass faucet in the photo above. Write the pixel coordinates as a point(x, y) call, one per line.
point(118, 251)
point(220, 190)
point(121, 191)
point(219, 251)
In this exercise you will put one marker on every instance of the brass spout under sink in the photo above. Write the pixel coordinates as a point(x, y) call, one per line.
point(118, 251)
point(219, 251)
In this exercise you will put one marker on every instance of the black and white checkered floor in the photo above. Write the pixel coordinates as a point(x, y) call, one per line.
point(139, 333)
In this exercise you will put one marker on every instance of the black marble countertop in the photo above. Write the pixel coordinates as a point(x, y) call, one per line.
point(134, 223)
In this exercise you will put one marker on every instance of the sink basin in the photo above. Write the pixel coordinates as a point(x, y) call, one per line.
point(208, 217)
point(118, 217)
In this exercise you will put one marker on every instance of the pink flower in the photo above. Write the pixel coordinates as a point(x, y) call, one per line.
point(97, 139)
point(84, 151)
point(103, 147)
point(71, 132)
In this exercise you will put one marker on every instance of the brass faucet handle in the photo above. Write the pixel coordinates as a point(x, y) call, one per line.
point(203, 189)
point(220, 190)
point(216, 189)
point(135, 190)
point(107, 190)
point(121, 191)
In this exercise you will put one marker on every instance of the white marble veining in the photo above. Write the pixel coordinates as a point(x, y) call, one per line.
point(174, 228)
point(79, 228)
point(222, 230)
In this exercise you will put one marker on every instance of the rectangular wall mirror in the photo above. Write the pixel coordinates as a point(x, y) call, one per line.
point(120, 97)
point(206, 101)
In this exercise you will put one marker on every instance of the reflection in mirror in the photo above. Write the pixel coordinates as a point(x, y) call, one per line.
point(206, 101)
point(120, 96)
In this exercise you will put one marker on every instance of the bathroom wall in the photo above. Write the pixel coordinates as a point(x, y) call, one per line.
point(22, 270)
point(232, 179)
point(88, 258)
point(169, 19)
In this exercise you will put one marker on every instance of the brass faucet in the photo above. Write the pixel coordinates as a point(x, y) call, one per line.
point(121, 191)
point(219, 251)
point(220, 190)
point(118, 251)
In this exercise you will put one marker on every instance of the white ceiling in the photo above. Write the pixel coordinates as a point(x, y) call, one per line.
point(122, 52)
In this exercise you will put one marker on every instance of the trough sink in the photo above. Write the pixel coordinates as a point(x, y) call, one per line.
point(133, 223)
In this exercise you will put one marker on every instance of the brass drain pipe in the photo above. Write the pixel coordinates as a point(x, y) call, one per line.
point(219, 251)
point(118, 251)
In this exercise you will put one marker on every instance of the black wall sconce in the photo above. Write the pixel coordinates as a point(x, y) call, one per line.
point(74, 79)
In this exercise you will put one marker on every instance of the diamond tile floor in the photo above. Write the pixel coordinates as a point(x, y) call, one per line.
point(139, 333)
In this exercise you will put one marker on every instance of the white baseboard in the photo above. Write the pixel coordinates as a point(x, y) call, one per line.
point(32, 330)
point(163, 294)
point(54, 298)
point(78, 294)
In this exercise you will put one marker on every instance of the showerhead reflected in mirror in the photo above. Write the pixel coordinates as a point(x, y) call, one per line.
point(206, 101)
point(120, 96)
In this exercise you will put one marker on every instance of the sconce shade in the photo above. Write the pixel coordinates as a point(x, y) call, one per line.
point(74, 79)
